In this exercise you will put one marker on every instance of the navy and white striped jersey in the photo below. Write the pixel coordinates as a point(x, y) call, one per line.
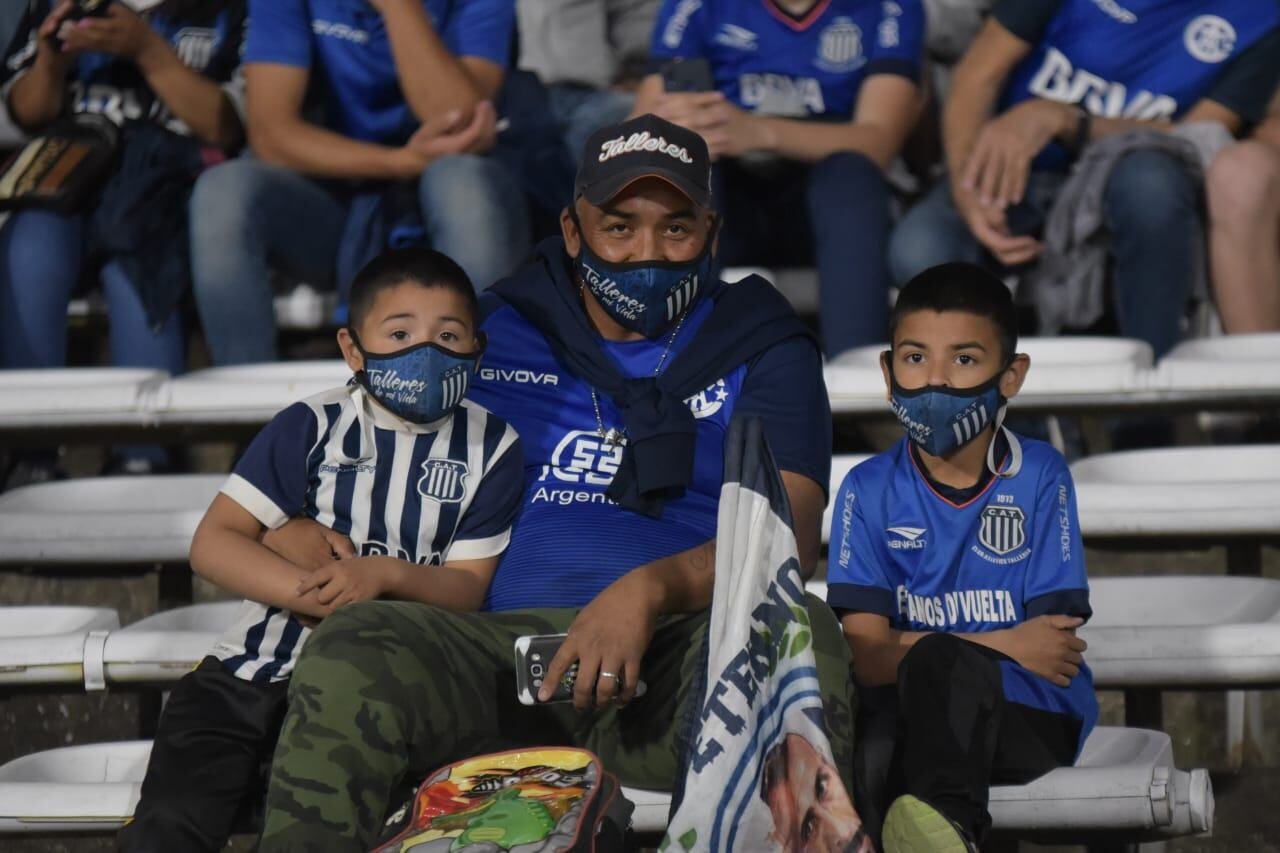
point(427, 494)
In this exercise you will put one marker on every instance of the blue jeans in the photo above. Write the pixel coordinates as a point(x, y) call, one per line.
point(581, 111)
point(835, 214)
point(1152, 210)
point(248, 217)
point(41, 254)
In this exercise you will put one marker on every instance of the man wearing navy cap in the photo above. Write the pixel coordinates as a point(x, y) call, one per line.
point(619, 359)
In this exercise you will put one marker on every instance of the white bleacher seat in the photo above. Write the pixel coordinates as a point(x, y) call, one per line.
point(1124, 783)
point(77, 396)
point(1239, 362)
point(1062, 369)
point(249, 393)
point(164, 646)
point(1198, 492)
point(1175, 631)
point(46, 645)
point(102, 520)
point(840, 466)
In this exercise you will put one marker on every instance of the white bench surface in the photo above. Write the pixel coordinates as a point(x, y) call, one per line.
point(166, 645)
point(1114, 787)
point(103, 520)
point(45, 645)
point(246, 393)
point(77, 395)
point(1245, 362)
point(1183, 491)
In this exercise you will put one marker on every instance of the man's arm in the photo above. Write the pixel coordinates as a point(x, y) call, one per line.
point(38, 96)
point(459, 585)
point(225, 550)
point(1046, 645)
point(280, 135)
point(433, 80)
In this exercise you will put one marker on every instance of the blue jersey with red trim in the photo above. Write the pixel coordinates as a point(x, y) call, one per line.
point(770, 62)
point(1008, 554)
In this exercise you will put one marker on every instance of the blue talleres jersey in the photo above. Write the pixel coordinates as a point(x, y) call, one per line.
point(344, 44)
point(570, 541)
point(1143, 59)
point(1010, 553)
point(770, 62)
point(209, 44)
point(425, 493)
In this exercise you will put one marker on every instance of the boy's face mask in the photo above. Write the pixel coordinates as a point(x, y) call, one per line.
point(644, 296)
point(421, 383)
point(939, 419)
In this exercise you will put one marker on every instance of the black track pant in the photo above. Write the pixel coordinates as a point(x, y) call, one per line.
point(208, 765)
point(948, 734)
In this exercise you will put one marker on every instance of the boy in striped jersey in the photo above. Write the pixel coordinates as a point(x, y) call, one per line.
point(958, 573)
point(425, 486)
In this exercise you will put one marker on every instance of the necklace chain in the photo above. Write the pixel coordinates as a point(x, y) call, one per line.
point(615, 437)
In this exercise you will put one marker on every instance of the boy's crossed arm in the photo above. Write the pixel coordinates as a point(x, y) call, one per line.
point(227, 550)
point(1046, 645)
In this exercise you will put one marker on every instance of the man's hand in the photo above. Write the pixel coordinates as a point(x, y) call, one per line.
point(348, 581)
point(121, 32)
point(987, 224)
point(1049, 647)
point(307, 544)
point(728, 130)
point(445, 135)
point(1000, 162)
point(610, 635)
point(47, 46)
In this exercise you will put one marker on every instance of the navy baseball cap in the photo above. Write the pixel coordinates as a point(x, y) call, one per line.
point(643, 147)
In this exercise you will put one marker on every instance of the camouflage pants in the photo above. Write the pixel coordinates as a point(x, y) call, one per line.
point(385, 692)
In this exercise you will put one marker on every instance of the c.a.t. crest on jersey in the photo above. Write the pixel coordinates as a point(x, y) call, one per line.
point(1003, 529)
point(443, 480)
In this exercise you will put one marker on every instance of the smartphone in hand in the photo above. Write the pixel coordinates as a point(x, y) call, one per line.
point(688, 75)
point(533, 656)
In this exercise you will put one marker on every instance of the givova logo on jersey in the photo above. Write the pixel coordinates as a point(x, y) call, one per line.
point(443, 480)
point(1059, 80)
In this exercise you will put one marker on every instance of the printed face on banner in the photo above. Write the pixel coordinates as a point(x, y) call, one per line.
point(810, 807)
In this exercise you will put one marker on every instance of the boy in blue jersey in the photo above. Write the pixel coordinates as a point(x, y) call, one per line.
point(1042, 80)
point(370, 121)
point(958, 572)
point(419, 487)
point(805, 104)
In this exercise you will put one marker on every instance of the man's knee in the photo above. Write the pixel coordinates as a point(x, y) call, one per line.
point(455, 180)
point(363, 637)
point(1149, 190)
point(1243, 181)
point(846, 179)
point(222, 201)
point(932, 657)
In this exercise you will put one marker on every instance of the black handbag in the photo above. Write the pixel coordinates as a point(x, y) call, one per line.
point(63, 167)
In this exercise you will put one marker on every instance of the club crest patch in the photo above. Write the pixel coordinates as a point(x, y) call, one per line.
point(443, 480)
point(1002, 529)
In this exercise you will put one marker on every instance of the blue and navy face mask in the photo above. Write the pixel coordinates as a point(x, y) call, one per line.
point(421, 383)
point(941, 420)
point(644, 296)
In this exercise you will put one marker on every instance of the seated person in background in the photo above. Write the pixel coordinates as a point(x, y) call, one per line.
point(417, 489)
point(1042, 79)
point(1244, 229)
point(620, 361)
point(584, 52)
point(805, 103)
point(170, 78)
point(347, 98)
point(958, 573)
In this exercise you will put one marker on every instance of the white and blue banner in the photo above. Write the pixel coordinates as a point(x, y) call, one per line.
point(759, 772)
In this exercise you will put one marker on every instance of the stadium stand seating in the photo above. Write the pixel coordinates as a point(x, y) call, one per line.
point(46, 645)
point(1124, 787)
point(78, 397)
point(1239, 362)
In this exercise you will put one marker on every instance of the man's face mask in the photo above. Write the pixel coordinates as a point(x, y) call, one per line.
point(941, 420)
point(644, 296)
point(421, 383)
